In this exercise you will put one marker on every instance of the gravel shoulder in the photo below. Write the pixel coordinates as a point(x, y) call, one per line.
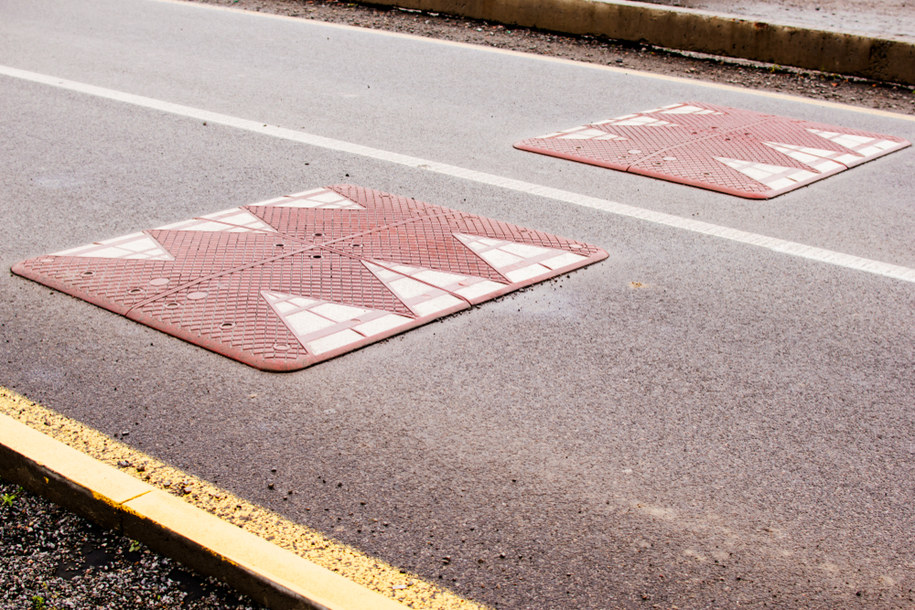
point(51, 558)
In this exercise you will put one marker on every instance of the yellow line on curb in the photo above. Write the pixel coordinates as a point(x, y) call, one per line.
point(270, 558)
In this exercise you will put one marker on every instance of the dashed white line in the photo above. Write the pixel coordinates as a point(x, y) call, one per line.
point(774, 244)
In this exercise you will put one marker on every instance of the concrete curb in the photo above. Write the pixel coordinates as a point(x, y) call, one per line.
point(882, 59)
point(265, 572)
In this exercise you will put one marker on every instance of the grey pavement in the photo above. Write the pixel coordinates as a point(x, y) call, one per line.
point(879, 18)
point(694, 422)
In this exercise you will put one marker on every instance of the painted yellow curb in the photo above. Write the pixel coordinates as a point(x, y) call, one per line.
point(278, 577)
point(276, 562)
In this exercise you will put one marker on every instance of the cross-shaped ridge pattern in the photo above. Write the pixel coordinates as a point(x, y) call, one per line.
point(285, 283)
point(734, 151)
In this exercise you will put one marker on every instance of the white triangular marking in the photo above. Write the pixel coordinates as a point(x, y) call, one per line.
point(775, 177)
point(420, 297)
point(687, 109)
point(470, 287)
point(518, 262)
point(234, 220)
point(322, 326)
point(320, 198)
point(638, 120)
point(865, 146)
point(135, 246)
point(584, 132)
point(822, 161)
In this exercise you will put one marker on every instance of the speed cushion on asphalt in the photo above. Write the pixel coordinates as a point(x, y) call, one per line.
point(285, 283)
point(734, 151)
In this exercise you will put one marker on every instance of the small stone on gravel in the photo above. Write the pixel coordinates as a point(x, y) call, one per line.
point(52, 558)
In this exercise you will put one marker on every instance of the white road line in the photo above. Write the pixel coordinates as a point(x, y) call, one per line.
point(774, 244)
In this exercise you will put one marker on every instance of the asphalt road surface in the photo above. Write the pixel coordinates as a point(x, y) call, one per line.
point(696, 421)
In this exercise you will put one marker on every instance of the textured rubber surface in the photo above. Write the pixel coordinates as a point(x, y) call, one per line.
point(291, 281)
point(734, 151)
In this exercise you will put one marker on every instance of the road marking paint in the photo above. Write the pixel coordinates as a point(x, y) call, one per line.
point(774, 244)
point(297, 559)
